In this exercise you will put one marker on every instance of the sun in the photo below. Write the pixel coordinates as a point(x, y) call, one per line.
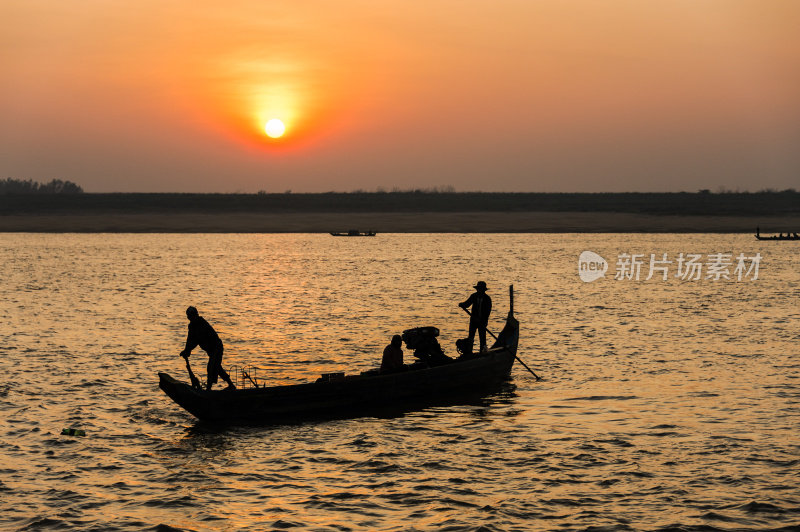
point(274, 128)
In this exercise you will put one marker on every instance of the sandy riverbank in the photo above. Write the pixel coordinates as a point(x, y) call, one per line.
point(466, 222)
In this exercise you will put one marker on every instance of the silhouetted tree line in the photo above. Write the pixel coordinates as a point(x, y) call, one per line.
point(29, 186)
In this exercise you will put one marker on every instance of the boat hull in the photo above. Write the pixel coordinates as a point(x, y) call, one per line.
point(780, 238)
point(366, 233)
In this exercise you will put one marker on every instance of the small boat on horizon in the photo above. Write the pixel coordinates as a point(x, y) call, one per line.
point(779, 236)
point(355, 232)
point(427, 382)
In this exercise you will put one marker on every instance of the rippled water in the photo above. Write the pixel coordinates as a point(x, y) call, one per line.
point(664, 404)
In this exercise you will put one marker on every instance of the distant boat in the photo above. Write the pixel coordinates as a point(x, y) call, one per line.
point(355, 232)
point(336, 395)
point(779, 236)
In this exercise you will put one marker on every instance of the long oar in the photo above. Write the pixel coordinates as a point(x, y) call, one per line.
point(195, 381)
point(538, 378)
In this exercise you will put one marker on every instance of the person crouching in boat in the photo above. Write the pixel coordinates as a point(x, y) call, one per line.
point(202, 334)
point(393, 355)
point(481, 305)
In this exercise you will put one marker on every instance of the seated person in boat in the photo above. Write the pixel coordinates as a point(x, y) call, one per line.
point(481, 305)
point(393, 356)
point(202, 334)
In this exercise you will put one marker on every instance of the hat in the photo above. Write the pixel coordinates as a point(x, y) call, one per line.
point(480, 286)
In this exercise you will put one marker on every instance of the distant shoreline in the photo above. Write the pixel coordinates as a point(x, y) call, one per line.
point(403, 212)
point(394, 222)
point(655, 203)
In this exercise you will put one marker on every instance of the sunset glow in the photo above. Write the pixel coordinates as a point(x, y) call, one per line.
point(578, 96)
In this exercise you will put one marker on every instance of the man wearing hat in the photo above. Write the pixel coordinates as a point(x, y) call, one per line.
point(481, 308)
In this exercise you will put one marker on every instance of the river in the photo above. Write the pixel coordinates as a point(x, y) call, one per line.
point(665, 404)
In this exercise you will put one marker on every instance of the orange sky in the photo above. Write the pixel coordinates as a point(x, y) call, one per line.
point(526, 95)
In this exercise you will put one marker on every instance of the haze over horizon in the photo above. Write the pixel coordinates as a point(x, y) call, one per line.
point(539, 96)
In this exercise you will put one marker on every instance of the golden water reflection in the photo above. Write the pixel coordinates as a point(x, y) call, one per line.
point(662, 403)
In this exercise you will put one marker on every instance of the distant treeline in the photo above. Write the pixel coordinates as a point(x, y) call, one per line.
point(765, 203)
point(29, 186)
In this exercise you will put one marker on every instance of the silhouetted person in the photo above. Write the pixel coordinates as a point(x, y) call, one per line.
point(202, 334)
point(393, 355)
point(481, 305)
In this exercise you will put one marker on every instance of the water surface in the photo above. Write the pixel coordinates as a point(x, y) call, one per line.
point(664, 404)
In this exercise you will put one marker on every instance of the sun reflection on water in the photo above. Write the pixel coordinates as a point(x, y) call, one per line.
point(662, 402)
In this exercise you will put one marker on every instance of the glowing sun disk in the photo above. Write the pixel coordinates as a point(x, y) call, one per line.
point(274, 128)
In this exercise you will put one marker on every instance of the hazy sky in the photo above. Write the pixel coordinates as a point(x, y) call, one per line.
point(508, 95)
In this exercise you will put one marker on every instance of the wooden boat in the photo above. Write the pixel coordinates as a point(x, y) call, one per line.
point(369, 393)
point(355, 232)
point(781, 236)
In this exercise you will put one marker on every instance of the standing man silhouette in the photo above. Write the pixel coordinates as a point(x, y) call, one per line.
point(481, 305)
point(204, 335)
